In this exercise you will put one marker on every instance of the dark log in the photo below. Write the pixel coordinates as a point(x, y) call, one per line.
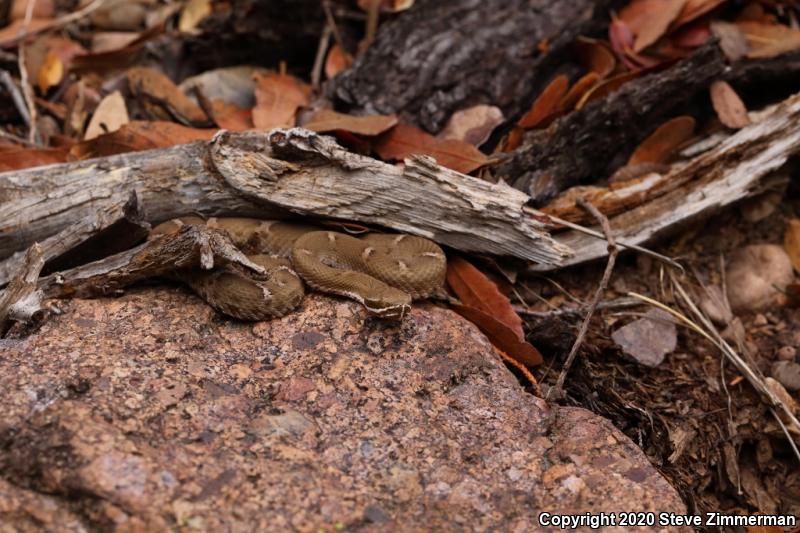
point(444, 55)
point(20, 300)
point(584, 143)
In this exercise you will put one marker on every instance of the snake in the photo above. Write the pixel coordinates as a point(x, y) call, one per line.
point(383, 272)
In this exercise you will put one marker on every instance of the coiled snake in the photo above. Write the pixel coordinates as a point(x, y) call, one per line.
point(383, 272)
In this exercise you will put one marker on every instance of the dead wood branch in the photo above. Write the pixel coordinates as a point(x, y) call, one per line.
point(584, 143)
point(254, 174)
point(20, 300)
point(115, 228)
point(707, 183)
point(422, 65)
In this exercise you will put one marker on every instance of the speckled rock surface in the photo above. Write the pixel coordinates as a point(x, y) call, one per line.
point(150, 413)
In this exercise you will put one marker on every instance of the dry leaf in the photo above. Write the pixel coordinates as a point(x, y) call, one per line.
point(769, 40)
point(546, 103)
point(369, 125)
point(337, 61)
point(387, 6)
point(501, 336)
point(692, 35)
point(791, 242)
point(476, 290)
point(576, 92)
point(595, 56)
point(404, 140)
point(278, 97)
point(107, 41)
point(111, 114)
point(50, 73)
point(729, 107)
point(606, 87)
point(732, 40)
point(42, 9)
point(663, 142)
point(473, 125)
point(31, 157)
point(695, 9)
point(156, 88)
point(139, 135)
point(649, 19)
point(230, 116)
point(193, 12)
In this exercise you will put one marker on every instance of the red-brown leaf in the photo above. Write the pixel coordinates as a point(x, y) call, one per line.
point(278, 97)
point(663, 142)
point(501, 336)
point(16, 159)
point(476, 290)
point(769, 40)
point(404, 140)
point(337, 61)
point(576, 92)
point(729, 107)
point(546, 103)
point(695, 9)
point(649, 19)
point(139, 135)
point(326, 120)
point(595, 56)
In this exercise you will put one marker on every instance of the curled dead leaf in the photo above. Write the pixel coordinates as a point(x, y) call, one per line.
point(576, 92)
point(404, 140)
point(139, 135)
point(546, 104)
point(595, 56)
point(278, 97)
point(473, 125)
point(156, 88)
point(649, 19)
point(501, 336)
point(729, 107)
point(769, 40)
point(663, 142)
point(606, 87)
point(111, 114)
point(476, 290)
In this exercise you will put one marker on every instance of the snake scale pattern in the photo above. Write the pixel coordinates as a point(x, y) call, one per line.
point(384, 272)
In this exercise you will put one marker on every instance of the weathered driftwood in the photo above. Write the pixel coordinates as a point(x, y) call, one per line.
point(423, 64)
point(586, 143)
point(115, 228)
point(20, 300)
point(268, 175)
point(709, 182)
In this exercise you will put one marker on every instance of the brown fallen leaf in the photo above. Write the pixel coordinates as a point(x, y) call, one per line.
point(16, 159)
point(193, 12)
point(595, 56)
point(546, 104)
point(692, 35)
point(139, 135)
point(278, 97)
point(791, 242)
point(404, 140)
point(326, 120)
point(156, 88)
point(107, 41)
point(473, 125)
point(501, 336)
point(50, 73)
point(729, 107)
point(337, 61)
point(694, 9)
point(649, 19)
point(769, 40)
point(11, 33)
point(576, 92)
point(663, 142)
point(42, 9)
point(230, 116)
point(476, 290)
point(732, 40)
point(606, 87)
point(111, 114)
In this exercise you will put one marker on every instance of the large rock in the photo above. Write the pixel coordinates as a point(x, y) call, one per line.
point(150, 412)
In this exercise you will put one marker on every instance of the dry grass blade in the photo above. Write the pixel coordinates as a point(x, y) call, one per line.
point(710, 333)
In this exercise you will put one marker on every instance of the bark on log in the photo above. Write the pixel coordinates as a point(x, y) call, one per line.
point(585, 142)
point(444, 55)
point(20, 300)
point(250, 174)
point(709, 182)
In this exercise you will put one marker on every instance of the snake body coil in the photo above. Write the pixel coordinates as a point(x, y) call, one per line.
point(383, 272)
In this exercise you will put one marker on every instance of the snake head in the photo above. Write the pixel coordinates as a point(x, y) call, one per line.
point(392, 306)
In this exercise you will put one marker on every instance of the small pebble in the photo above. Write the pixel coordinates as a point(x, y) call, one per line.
point(787, 373)
point(760, 320)
point(787, 353)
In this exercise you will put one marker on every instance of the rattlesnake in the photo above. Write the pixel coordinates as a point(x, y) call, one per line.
point(383, 272)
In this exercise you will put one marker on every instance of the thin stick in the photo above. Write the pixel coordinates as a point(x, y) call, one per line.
point(371, 27)
point(335, 29)
point(27, 90)
point(588, 231)
point(319, 61)
point(612, 258)
point(16, 96)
